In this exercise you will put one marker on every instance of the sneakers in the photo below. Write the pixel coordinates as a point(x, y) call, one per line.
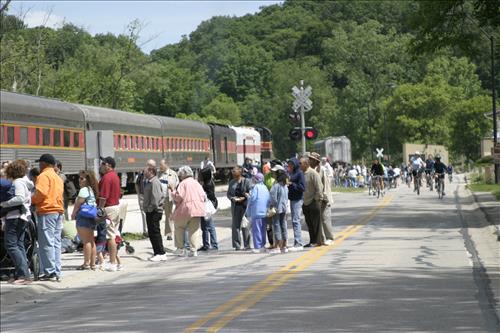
point(329, 242)
point(275, 251)
point(112, 268)
point(158, 258)
point(119, 267)
point(310, 245)
point(296, 248)
point(51, 277)
point(261, 250)
point(284, 250)
point(180, 252)
point(193, 253)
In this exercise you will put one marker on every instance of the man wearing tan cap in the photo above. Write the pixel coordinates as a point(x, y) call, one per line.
point(313, 196)
point(325, 230)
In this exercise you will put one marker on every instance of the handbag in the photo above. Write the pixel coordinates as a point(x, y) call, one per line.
point(271, 211)
point(209, 209)
point(86, 210)
point(244, 222)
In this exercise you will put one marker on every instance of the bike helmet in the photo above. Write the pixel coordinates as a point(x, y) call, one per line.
point(437, 157)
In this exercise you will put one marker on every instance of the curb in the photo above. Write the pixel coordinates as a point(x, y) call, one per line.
point(486, 215)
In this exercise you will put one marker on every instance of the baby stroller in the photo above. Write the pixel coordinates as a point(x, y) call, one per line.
point(31, 247)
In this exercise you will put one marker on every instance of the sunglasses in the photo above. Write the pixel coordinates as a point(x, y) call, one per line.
point(82, 178)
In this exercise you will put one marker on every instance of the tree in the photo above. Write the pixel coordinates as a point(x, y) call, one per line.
point(223, 107)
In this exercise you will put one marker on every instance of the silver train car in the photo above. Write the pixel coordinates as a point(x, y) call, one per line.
point(31, 126)
point(336, 149)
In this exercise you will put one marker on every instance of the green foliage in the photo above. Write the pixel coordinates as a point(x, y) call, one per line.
point(360, 57)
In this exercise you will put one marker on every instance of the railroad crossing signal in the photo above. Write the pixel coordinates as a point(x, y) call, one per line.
point(311, 133)
point(380, 152)
point(302, 98)
point(295, 134)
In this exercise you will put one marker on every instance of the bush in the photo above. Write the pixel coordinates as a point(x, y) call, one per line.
point(485, 160)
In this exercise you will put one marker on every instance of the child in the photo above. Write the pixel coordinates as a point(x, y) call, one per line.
point(100, 242)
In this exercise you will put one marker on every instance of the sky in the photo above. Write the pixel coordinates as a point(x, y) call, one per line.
point(165, 22)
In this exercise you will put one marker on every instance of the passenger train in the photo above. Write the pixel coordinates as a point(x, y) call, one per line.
point(32, 125)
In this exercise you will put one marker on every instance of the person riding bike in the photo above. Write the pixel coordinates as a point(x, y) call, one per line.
point(429, 168)
point(440, 170)
point(377, 170)
point(450, 172)
point(416, 165)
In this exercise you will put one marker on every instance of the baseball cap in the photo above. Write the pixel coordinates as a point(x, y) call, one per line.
point(109, 160)
point(47, 158)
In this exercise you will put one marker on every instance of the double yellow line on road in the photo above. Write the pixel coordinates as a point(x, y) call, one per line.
point(248, 298)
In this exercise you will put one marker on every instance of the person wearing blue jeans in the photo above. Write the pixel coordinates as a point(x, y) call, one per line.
point(209, 235)
point(296, 188)
point(48, 199)
point(258, 204)
point(49, 241)
point(14, 244)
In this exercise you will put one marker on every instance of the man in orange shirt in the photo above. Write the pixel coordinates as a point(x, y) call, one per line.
point(48, 200)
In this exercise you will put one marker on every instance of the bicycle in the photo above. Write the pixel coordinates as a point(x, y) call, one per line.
point(429, 179)
point(377, 187)
point(440, 185)
point(417, 182)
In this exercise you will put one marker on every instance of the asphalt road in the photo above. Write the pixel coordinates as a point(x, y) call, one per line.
point(399, 264)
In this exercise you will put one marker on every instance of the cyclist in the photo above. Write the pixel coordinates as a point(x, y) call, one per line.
point(429, 167)
point(450, 172)
point(377, 170)
point(440, 169)
point(416, 165)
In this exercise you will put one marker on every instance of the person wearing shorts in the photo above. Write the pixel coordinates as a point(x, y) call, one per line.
point(109, 193)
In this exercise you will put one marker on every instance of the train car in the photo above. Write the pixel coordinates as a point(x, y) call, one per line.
point(247, 145)
point(266, 144)
point(31, 126)
point(224, 149)
point(185, 142)
point(135, 137)
point(336, 149)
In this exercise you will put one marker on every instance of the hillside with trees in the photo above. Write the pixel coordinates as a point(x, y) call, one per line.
point(421, 66)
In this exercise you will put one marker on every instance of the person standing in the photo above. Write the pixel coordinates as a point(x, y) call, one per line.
point(258, 203)
point(279, 201)
point(89, 192)
point(313, 196)
point(154, 197)
point(325, 231)
point(169, 178)
point(110, 192)
point(238, 192)
point(189, 199)
point(140, 182)
point(49, 203)
point(296, 188)
point(207, 163)
point(209, 236)
point(16, 220)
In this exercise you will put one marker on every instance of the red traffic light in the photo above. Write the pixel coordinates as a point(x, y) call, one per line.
point(311, 134)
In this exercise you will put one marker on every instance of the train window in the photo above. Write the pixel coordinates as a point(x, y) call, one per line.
point(10, 134)
point(46, 137)
point(76, 139)
point(136, 139)
point(1, 134)
point(225, 149)
point(66, 139)
point(57, 138)
point(24, 135)
point(37, 136)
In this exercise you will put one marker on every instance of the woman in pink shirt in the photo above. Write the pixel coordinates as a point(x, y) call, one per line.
point(189, 201)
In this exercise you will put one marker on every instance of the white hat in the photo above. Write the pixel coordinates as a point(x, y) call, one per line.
point(417, 153)
point(277, 167)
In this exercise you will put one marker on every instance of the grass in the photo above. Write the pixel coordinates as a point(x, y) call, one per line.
point(128, 236)
point(482, 187)
point(348, 189)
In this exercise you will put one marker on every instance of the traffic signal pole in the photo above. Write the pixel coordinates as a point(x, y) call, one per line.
point(303, 124)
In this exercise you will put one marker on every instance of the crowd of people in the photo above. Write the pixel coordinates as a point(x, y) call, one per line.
point(260, 196)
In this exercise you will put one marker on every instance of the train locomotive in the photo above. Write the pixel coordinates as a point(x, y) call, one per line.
point(76, 134)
